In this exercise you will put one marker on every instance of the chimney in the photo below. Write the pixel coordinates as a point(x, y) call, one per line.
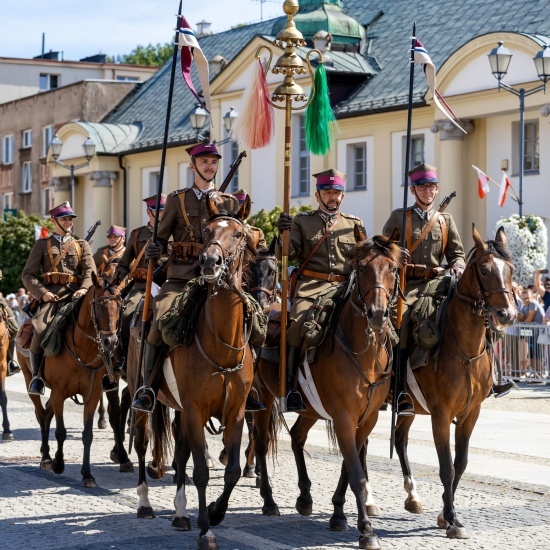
point(203, 29)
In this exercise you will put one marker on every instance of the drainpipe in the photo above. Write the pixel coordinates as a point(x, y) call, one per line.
point(124, 192)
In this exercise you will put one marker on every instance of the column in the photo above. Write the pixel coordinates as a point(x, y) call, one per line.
point(100, 209)
point(451, 173)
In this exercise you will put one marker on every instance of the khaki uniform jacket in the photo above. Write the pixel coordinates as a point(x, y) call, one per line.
point(173, 224)
point(104, 258)
point(144, 233)
point(39, 262)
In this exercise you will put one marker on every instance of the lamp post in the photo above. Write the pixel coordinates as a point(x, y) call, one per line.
point(89, 151)
point(198, 119)
point(499, 59)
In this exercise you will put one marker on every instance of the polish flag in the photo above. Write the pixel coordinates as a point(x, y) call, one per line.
point(482, 183)
point(40, 232)
point(504, 185)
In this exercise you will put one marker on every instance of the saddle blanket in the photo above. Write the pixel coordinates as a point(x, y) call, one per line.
point(310, 391)
point(170, 378)
point(415, 389)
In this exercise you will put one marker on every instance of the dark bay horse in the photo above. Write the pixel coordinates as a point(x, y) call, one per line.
point(482, 299)
point(78, 369)
point(7, 434)
point(352, 377)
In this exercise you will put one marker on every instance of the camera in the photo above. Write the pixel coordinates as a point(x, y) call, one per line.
point(544, 271)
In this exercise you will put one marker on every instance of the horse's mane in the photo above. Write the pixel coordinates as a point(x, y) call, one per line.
point(224, 214)
point(496, 248)
point(388, 247)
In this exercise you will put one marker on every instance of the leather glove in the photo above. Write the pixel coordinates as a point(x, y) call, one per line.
point(458, 270)
point(153, 251)
point(284, 222)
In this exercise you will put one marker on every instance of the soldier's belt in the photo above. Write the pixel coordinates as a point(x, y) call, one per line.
point(187, 250)
point(58, 278)
point(140, 274)
point(325, 276)
point(419, 271)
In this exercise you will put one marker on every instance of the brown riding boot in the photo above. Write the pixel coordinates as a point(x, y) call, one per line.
point(36, 386)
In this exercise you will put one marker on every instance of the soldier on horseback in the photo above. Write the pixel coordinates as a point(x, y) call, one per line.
point(323, 243)
point(430, 237)
point(108, 255)
point(65, 265)
point(7, 315)
point(185, 218)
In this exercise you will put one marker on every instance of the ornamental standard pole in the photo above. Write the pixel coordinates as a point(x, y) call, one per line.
point(71, 168)
point(521, 147)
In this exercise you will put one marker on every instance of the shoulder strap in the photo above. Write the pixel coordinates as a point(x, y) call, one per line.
point(189, 227)
point(409, 230)
point(444, 237)
point(427, 229)
point(137, 260)
point(78, 251)
point(134, 241)
point(62, 255)
point(319, 243)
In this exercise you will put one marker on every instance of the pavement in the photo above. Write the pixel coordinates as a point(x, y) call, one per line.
point(503, 499)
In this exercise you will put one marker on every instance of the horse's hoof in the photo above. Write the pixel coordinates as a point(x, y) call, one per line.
point(222, 458)
point(415, 507)
point(215, 516)
point(373, 511)
point(270, 510)
point(338, 524)
point(114, 457)
point(102, 424)
point(46, 464)
point(210, 463)
point(369, 542)
point(249, 472)
point(153, 472)
point(304, 507)
point(454, 532)
point(145, 512)
point(442, 523)
point(126, 468)
point(181, 523)
point(58, 466)
point(89, 482)
point(207, 542)
point(258, 482)
point(7, 436)
point(187, 480)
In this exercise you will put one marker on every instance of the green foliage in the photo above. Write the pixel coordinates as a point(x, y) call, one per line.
point(154, 56)
point(16, 241)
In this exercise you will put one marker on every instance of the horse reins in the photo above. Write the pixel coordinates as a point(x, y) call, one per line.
point(271, 293)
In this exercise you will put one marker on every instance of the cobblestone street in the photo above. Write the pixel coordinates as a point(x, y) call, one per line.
point(43, 510)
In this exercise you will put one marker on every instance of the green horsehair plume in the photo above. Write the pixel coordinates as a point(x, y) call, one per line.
point(320, 120)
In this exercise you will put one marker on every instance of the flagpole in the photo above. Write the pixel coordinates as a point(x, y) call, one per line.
point(151, 264)
point(403, 271)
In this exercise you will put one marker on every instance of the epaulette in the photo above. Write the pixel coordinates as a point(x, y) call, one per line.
point(351, 217)
point(178, 191)
point(306, 213)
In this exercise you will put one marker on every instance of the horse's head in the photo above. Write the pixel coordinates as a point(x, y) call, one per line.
point(487, 279)
point(225, 242)
point(262, 276)
point(106, 308)
point(377, 262)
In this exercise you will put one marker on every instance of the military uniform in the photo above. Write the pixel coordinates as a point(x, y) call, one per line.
point(105, 257)
point(76, 266)
point(331, 263)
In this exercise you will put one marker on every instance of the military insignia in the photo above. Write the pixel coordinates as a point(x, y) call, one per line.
point(348, 248)
point(351, 217)
point(305, 213)
point(178, 191)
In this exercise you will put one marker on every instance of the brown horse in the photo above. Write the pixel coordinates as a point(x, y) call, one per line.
point(352, 377)
point(7, 434)
point(455, 387)
point(214, 373)
point(89, 342)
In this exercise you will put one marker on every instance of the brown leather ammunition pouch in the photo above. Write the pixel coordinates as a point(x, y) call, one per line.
point(419, 271)
point(24, 337)
point(58, 278)
point(186, 251)
point(140, 274)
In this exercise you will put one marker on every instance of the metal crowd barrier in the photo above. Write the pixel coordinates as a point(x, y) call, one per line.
point(524, 352)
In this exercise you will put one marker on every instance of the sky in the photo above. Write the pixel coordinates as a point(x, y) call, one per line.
point(80, 28)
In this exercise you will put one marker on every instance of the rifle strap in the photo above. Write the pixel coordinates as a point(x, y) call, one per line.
point(106, 259)
point(135, 265)
point(411, 247)
point(189, 223)
point(63, 254)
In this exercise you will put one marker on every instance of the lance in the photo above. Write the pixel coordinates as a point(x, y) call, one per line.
point(151, 265)
point(289, 64)
point(403, 272)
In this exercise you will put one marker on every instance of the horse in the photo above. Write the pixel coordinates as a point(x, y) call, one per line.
point(7, 434)
point(214, 373)
point(88, 343)
point(455, 386)
point(352, 372)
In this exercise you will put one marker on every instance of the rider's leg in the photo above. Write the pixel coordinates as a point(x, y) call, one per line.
point(145, 397)
point(252, 405)
point(293, 398)
point(404, 403)
point(13, 365)
point(36, 385)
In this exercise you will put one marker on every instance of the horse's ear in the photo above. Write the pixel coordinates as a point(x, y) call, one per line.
point(477, 237)
point(358, 234)
point(272, 245)
point(501, 236)
point(211, 207)
point(244, 209)
point(96, 280)
point(396, 235)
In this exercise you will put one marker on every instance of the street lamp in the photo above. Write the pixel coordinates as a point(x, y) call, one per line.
point(499, 59)
point(89, 151)
point(198, 119)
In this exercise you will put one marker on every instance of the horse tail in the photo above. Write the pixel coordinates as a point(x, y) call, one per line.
point(275, 423)
point(161, 428)
point(332, 441)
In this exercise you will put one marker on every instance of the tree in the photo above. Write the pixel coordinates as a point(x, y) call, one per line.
point(16, 241)
point(154, 56)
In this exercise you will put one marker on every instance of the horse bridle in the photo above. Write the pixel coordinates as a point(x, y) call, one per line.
point(272, 293)
point(392, 298)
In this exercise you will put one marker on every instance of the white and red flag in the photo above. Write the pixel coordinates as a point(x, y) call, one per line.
point(40, 232)
point(482, 182)
point(504, 186)
point(421, 56)
point(191, 50)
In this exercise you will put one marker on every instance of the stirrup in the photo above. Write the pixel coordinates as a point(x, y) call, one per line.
point(296, 403)
point(13, 368)
point(500, 390)
point(253, 405)
point(405, 405)
point(144, 391)
point(40, 390)
point(107, 385)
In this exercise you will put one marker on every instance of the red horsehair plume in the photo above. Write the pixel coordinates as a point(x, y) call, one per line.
point(255, 125)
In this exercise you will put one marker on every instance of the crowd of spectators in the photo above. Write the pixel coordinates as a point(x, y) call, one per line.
point(16, 302)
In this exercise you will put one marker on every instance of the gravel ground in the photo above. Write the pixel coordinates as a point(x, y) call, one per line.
point(529, 397)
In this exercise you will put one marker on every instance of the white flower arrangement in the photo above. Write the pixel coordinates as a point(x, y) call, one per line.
point(527, 244)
